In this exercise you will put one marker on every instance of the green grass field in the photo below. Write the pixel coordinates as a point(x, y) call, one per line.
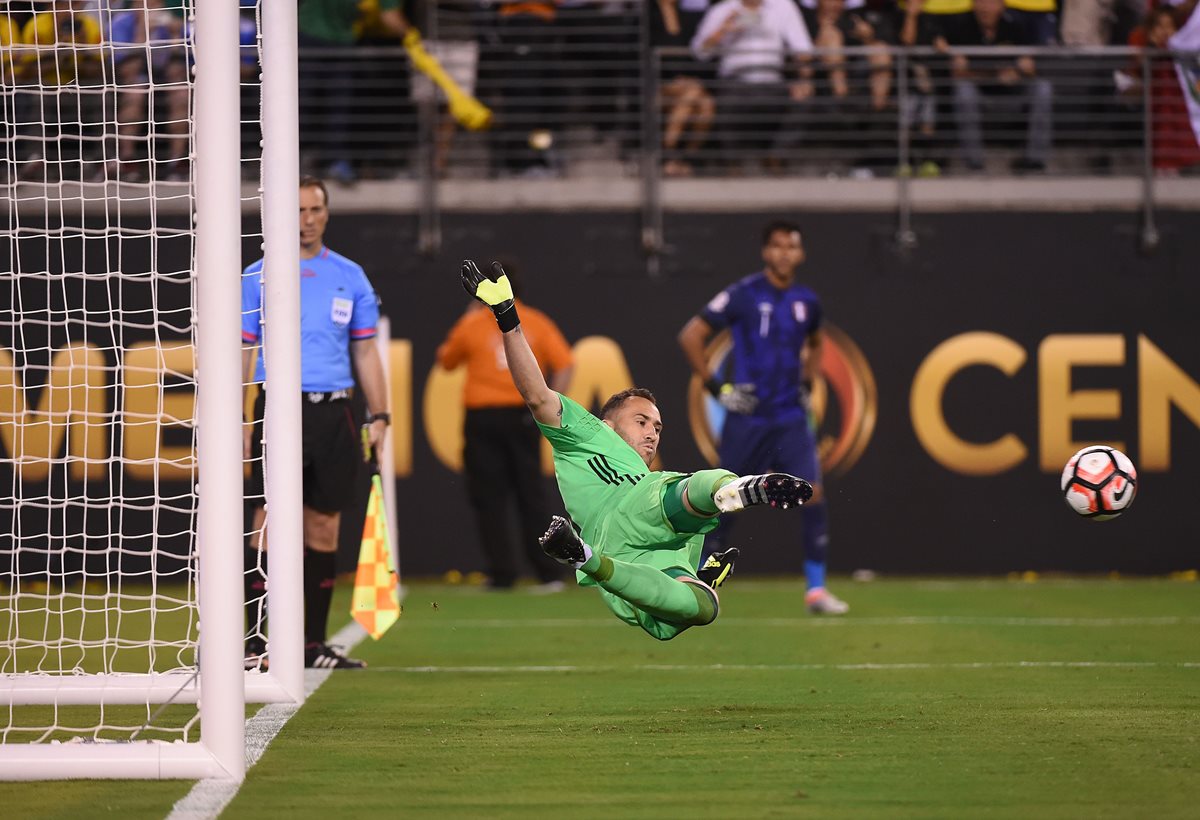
point(1061, 698)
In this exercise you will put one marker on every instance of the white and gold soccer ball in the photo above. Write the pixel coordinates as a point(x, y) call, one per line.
point(1099, 482)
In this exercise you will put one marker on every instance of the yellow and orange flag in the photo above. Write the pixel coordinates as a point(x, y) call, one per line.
point(376, 601)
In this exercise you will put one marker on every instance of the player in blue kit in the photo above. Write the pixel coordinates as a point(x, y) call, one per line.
point(338, 313)
point(775, 323)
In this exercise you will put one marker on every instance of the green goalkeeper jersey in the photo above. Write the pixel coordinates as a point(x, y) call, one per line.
point(613, 499)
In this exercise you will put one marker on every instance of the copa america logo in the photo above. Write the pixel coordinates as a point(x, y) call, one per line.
point(844, 402)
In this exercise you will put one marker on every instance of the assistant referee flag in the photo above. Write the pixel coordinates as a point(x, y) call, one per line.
point(376, 601)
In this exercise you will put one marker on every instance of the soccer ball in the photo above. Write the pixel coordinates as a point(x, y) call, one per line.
point(1099, 482)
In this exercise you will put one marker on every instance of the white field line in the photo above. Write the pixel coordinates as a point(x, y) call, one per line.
point(786, 667)
point(807, 622)
point(208, 798)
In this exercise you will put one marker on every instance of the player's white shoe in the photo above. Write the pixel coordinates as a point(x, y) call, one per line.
point(774, 489)
point(821, 601)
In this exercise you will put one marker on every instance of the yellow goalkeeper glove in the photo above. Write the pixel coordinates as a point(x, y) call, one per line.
point(495, 291)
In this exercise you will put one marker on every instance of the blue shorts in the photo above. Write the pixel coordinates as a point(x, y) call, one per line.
point(751, 445)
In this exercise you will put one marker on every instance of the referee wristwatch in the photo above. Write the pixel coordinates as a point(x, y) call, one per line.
point(386, 418)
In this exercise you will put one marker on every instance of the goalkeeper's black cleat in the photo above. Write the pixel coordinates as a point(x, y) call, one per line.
point(773, 489)
point(324, 656)
point(563, 544)
point(718, 567)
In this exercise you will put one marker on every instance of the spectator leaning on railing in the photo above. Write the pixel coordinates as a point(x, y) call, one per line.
point(62, 65)
point(753, 39)
point(1004, 82)
point(1037, 18)
point(327, 84)
point(147, 43)
point(687, 105)
point(835, 25)
point(1173, 146)
point(528, 41)
point(926, 77)
point(455, 48)
point(853, 101)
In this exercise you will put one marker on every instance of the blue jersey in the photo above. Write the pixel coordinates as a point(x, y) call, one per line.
point(769, 328)
point(337, 306)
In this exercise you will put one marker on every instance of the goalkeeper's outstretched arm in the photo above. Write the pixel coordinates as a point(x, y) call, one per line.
point(496, 292)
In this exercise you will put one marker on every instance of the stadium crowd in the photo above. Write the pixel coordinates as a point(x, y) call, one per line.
point(744, 85)
point(766, 86)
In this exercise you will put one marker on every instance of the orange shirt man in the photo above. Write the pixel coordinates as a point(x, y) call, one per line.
point(501, 444)
point(476, 342)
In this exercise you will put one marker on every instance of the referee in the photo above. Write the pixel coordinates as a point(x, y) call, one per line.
point(338, 314)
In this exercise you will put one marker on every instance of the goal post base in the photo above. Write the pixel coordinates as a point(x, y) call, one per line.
point(147, 759)
point(115, 690)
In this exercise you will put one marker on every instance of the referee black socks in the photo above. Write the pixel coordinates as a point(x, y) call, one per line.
point(320, 571)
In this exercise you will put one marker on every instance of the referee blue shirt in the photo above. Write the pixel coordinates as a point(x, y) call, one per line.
point(769, 327)
point(337, 306)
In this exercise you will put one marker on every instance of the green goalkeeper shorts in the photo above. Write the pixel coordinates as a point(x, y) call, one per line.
point(637, 530)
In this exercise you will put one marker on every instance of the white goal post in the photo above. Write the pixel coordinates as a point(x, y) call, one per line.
point(121, 604)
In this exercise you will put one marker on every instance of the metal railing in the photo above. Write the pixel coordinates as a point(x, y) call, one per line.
point(587, 116)
point(596, 103)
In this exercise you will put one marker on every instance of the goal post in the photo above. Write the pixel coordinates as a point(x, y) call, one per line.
point(281, 338)
point(121, 537)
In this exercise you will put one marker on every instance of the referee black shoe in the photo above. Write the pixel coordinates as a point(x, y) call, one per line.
point(773, 489)
point(718, 567)
point(324, 656)
point(563, 544)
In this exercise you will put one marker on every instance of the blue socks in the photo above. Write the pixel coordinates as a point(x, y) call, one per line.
point(816, 543)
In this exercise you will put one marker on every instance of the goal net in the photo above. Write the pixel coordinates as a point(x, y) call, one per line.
point(119, 516)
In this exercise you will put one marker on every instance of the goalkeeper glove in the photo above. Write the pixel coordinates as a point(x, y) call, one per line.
point(804, 394)
point(736, 398)
point(494, 291)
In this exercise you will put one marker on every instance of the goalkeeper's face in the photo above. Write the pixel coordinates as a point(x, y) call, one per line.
point(638, 422)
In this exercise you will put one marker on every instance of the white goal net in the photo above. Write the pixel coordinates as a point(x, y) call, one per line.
point(107, 355)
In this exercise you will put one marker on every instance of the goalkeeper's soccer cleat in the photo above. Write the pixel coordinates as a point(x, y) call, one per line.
point(821, 601)
point(718, 567)
point(774, 489)
point(324, 656)
point(563, 544)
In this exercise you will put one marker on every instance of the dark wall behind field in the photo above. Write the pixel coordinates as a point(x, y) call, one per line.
point(1023, 275)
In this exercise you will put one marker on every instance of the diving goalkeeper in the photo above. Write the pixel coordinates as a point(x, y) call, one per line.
point(640, 532)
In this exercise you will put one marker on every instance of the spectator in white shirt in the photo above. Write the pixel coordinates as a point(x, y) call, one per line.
point(753, 40)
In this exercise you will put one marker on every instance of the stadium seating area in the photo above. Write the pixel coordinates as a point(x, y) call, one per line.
point(610, 89)
point(602, 89)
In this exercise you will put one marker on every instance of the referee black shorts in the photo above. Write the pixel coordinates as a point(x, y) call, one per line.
point(332, 451)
